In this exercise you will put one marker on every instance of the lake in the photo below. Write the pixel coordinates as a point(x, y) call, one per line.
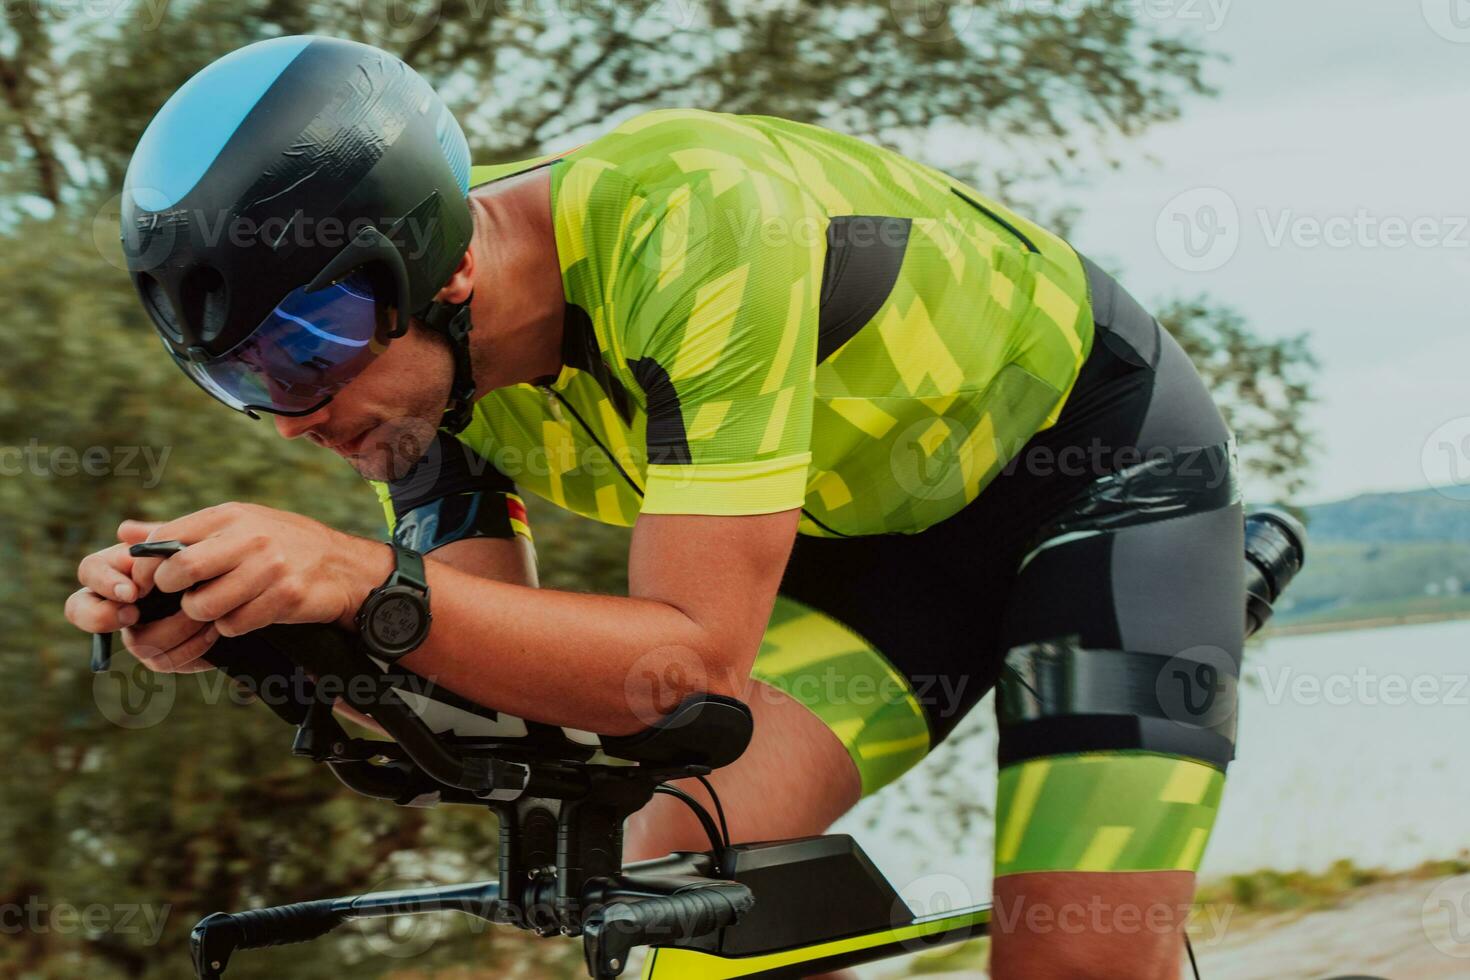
point(1351, 745)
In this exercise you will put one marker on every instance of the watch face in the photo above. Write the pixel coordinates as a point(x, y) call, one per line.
point(396, 621)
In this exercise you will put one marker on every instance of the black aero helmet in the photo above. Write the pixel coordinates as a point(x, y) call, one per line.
point(280, 202)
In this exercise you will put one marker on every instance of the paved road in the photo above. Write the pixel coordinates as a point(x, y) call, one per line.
point(1403, 930)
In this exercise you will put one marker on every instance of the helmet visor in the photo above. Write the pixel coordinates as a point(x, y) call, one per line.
point(307, 349)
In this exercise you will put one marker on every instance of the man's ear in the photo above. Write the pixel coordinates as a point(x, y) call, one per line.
point(462, 283)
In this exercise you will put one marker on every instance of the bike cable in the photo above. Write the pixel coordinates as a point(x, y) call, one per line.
point(1189, 948)
point(719, 808)
point(705, 820)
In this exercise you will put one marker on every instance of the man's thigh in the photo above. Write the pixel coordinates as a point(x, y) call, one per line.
point(796, 778)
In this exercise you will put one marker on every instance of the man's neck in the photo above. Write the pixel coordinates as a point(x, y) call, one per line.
point(519, 302)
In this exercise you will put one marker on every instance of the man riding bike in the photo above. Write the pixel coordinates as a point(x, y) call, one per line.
point(884, 445)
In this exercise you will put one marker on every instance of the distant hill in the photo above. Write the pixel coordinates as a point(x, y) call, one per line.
point(1381, 518)
point(1383, 556)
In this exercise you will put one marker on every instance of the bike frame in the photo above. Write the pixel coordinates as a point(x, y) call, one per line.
point(667, 963)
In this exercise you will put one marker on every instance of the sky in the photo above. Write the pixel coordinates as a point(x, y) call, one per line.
point(1323, 191)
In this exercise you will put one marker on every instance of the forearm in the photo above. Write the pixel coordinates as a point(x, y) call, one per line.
point(607, 664)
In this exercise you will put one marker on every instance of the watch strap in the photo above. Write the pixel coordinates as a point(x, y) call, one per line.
point(408, 569)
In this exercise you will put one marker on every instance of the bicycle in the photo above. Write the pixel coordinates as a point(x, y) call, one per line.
point(736, 910)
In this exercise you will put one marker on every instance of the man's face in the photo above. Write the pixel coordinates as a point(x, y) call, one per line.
point(385, 419)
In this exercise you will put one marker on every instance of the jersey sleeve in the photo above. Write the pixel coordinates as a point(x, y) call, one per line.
point(722, 281)
point(451, 494)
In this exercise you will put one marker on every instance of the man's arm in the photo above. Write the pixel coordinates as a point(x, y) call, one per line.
point(701, 591)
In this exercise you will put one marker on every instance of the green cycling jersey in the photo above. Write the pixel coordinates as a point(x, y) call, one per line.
point(764, 315)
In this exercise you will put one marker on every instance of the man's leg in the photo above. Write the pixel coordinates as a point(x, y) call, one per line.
point(1095, 859)
point(1142, 944)
point(794, 781)
point(1114, 738)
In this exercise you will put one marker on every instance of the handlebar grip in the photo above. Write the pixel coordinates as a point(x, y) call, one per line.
point(218, 935)
point(699, 911)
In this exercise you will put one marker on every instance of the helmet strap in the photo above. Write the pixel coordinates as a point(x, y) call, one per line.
point(452, 320)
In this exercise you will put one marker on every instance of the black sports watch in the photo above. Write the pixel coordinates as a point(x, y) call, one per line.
point(395, 617)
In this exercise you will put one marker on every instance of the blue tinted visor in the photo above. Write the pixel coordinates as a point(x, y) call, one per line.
point(307, 349)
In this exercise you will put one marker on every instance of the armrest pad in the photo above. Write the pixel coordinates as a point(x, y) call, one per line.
point(704, 730)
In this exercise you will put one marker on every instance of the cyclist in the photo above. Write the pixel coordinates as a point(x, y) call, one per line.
point(884, 444)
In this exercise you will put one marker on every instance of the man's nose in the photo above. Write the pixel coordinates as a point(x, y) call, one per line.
point(295, 427)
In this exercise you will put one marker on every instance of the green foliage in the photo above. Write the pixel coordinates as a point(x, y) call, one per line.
point(1283, 891)
point(1382, 556)
point(1385, 518)
point(1264, 388)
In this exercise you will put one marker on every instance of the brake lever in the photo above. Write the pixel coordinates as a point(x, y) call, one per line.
point(148, 611)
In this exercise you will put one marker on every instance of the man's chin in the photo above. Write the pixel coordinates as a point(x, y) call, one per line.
point(389, 450)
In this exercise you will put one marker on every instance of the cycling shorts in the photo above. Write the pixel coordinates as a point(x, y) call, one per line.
point(1078, 565)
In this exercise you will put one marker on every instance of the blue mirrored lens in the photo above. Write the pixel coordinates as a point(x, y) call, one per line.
point(309, 347)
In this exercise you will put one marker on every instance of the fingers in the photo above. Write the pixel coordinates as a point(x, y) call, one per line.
point(108, 573)
point(207, 554)
point(202, 561)
point(225, 590)
point(161, 635)
point(202, 523)
point(136, 532)
point(86, 610)
point(185, 657)
point(259, 612)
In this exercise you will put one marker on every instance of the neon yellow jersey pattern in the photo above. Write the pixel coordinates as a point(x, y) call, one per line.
point(765, 315)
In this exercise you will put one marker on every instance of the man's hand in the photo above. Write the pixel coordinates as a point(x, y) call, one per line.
point(244, 567)
point(248, 566)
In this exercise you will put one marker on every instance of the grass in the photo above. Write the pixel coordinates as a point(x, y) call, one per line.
point(1286, 891)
